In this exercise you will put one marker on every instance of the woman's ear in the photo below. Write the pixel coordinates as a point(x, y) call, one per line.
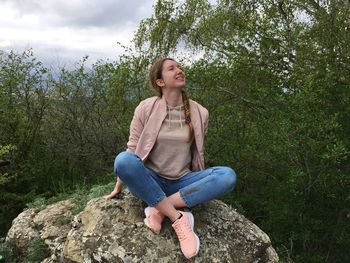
point(160, 83)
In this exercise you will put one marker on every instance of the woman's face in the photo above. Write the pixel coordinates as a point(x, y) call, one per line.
point(172, 75)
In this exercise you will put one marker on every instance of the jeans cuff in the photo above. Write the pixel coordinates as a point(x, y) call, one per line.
point(183, 198)
point(157, 201)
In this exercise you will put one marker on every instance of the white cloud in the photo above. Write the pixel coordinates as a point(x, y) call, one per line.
point(70, 29)
point(100, 13)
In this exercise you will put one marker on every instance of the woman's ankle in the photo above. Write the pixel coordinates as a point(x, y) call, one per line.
point(177, 217)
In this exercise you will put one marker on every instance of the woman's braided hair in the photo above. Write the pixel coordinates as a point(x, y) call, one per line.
point(155, 74)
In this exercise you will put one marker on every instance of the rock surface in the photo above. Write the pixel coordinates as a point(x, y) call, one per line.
point(113, 231)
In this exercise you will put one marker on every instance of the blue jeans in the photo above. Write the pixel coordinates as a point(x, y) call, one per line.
point(194, 187)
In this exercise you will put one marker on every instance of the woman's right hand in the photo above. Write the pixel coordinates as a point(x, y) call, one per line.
point(116, 191)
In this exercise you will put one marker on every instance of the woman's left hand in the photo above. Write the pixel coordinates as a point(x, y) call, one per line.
point(116, 191)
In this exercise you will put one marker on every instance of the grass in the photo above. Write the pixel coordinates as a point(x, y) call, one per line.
point(37, 251)
point(80, 196)
point(7, 251)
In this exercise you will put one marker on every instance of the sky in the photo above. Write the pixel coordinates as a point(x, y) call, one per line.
point(62, 32)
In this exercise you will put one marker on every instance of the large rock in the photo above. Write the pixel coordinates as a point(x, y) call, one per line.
point(113, 231)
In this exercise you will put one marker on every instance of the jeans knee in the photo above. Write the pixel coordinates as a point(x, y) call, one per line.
point(228, 177)
point(123, 161)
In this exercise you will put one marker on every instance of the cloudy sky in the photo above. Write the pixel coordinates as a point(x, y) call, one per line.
point(61, 32)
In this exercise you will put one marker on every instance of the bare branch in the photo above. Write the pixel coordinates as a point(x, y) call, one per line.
point(236, 96)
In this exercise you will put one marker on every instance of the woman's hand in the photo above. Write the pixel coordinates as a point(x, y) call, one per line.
point(116, 191)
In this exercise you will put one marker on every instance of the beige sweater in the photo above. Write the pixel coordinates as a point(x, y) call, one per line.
point(171, 154)
point(147, 121)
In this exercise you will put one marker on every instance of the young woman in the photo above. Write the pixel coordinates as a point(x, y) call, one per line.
point(164, 163)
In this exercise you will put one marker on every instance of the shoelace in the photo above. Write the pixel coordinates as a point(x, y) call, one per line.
point(181, 232)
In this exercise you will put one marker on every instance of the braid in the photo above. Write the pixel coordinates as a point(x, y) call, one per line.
point(186, 103)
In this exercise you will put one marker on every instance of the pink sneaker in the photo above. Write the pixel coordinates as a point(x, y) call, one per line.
point(153, 219)
point(189, 241)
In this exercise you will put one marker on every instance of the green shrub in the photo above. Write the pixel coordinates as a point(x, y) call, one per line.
point(37, 251)
point(8, 253)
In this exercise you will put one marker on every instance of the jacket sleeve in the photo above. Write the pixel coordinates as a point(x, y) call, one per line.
point(206, 120)
point(136, 128)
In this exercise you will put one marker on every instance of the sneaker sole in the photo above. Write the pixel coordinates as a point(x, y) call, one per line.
point(191, 219)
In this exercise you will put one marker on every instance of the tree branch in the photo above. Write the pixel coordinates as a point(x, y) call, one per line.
point(254, 103)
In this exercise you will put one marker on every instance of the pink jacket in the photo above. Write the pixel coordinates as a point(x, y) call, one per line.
point(148, 118)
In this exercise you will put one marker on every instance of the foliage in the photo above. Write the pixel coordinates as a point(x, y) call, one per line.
point(38, 203)
point(7, 252)
point(80, 196)
point(274, 76)
point(37, 251)
point(60, 131)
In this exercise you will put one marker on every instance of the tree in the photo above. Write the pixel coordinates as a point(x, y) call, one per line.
point(23, 106)
point(275, 77)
